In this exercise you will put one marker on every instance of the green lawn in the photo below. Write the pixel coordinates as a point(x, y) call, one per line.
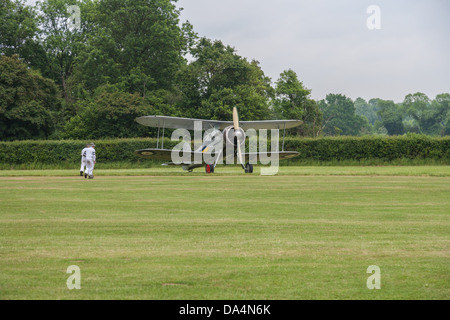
point(436, 171)
point(308, 233)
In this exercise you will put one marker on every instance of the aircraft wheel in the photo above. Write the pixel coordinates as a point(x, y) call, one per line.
point(209, 168)
point(248, 168)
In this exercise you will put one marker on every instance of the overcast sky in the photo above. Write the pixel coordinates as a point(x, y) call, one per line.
point(328, 44)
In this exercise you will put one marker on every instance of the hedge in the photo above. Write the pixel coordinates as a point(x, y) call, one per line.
point(54, 152)
point(372, 147)
point(321, 149)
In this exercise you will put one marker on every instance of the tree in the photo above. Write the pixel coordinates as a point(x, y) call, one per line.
point(108, 114)
point(29, 103)
point(391, 117)
point(292, 101)
point(219, 79)
point(339, 116)
point(428, 115)
point(136, 45)
point(18, 31)
point(61, 43)
point(441, 113)
point(416, 105)
point(367, 109)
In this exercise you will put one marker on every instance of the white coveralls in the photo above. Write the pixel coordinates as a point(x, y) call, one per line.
point(83, 160)
point(90, 161)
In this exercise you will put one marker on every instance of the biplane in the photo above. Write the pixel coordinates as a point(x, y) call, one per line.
point(220, 135)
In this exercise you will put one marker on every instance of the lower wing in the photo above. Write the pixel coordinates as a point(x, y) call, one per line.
point(188, 157)
point(166, 155)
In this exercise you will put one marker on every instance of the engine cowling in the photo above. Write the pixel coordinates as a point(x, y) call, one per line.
point(229, 135)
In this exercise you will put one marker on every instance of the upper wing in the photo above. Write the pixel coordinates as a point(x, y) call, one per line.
point(270, 124)
point(181, 123)
point(188, 123)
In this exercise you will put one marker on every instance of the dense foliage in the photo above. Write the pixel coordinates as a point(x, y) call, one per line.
point(29, 105)
point(88, 76)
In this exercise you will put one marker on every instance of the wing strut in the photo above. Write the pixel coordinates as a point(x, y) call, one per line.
point(238, 142)
point(157, 140)
point(164, 127)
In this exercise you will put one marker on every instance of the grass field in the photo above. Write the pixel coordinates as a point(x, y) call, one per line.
point(307, 233)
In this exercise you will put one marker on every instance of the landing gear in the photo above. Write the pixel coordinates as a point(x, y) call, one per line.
point(209, 168)
point(248, 168)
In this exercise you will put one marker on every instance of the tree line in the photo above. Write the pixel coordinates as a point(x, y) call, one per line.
point(129, 58)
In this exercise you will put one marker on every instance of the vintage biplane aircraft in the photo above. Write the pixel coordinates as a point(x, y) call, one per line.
point(233, 133)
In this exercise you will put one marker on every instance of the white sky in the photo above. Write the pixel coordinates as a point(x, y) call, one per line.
point(328, 45)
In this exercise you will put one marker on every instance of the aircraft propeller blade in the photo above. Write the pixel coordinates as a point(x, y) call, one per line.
point(235, 119)
point(236, 133)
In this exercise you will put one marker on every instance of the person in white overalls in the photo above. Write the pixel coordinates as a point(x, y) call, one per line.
point(83, 160)
point(90, 161)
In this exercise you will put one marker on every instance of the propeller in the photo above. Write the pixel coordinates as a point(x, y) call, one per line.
point(238, 136)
